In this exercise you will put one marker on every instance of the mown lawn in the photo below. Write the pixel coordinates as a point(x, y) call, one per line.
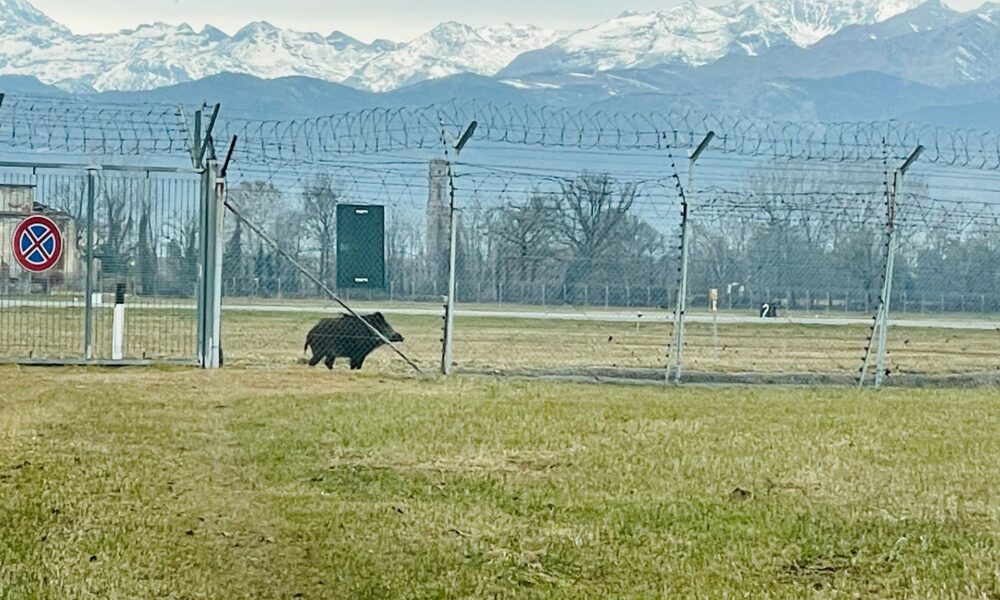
point(297, 483)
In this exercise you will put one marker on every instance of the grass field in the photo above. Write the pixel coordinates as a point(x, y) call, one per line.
point(569, 346)
point(288, 483)
point(261, 338)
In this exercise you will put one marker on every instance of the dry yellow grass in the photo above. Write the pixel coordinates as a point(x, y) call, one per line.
point(487, 344)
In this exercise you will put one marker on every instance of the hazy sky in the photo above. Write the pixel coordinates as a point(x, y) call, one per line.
point(399, 20)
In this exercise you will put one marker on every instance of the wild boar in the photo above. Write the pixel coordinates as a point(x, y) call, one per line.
point(347, 337)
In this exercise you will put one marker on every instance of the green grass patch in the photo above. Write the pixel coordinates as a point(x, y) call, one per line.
point(252, 484)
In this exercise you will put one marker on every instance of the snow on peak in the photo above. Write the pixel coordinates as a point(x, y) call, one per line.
point(693, 34)
point(20, 11)
point(19, 16)
point(687, 32)
point(160, 54)
point(257, 29)
point(805, 22)
point(450, 49)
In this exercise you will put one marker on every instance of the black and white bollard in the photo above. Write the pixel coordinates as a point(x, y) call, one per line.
point(118, 325)
point(713, 297)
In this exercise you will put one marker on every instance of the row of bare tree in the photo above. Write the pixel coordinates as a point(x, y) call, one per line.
point(142, 236)
point(783, 234)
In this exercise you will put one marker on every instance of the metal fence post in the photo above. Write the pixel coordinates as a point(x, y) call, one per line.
point(211, 196)
point(210, 280)
point(195, 149)
point(890, 269)
point(213, 273)
point(682, 292)
point(447, 351)
point(881, 328)
point(88, 311)
point(681, 309)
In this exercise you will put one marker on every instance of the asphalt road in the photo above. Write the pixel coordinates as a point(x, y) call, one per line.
point(561, 314)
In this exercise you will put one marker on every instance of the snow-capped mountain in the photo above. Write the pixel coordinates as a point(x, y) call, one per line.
point(156, 55)
point(17, 15)
point(931, 45)
point(805, 22)
point(450, 49)
point(694, 35)
point(159, 54)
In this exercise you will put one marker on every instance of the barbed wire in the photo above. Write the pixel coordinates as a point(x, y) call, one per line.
point(77, 126)
point(376, 149)
point(387, 130)
point(57, 125)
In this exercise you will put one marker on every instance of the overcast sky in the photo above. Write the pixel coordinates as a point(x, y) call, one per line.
point(399, 20)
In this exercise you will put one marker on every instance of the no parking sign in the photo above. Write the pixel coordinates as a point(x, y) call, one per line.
point(37, 244)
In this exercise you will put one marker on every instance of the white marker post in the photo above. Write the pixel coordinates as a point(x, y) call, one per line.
point(714, 297)
point(118, 325)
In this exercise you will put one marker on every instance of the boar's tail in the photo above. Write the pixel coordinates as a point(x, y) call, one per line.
point(308, 343)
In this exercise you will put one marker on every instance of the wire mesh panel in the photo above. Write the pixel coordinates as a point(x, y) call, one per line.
point(786, 266)
point(42, 313)
point(116, 181)
point(565, 265)
point(945, 314)
point(147, 243)
point(571, 231)
point(130, 232)
point(280, 268)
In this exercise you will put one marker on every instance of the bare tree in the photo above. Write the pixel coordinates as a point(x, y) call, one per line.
point(319, 204)
point(261, 202)
point(114, 228)
point(148, 268)
point(234, 273)
point(264, 205)
point(526, 237)
point(592, 209)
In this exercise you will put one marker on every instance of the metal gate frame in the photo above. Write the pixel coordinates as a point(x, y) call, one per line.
point(209, 267)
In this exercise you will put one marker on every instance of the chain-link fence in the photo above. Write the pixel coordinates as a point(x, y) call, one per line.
point(280, 270)
point(570, 249)
point(578, 244)
point(102, 219)
point(133, 234)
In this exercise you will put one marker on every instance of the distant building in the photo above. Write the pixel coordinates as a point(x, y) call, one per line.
point(438, 215)
point(18, 202)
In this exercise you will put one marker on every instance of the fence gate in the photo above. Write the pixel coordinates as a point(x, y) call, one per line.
point(100, 265)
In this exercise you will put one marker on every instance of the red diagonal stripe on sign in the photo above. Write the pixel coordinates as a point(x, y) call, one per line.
point(36, 243)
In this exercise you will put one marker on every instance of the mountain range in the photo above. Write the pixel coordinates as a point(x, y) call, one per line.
point(785, 59)
point(159, 54)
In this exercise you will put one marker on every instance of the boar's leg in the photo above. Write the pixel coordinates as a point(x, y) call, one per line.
point(357, 363)
point(330, 360)
point(317, 357)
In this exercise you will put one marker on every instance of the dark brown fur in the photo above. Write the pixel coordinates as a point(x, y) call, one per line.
point(347, 337)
